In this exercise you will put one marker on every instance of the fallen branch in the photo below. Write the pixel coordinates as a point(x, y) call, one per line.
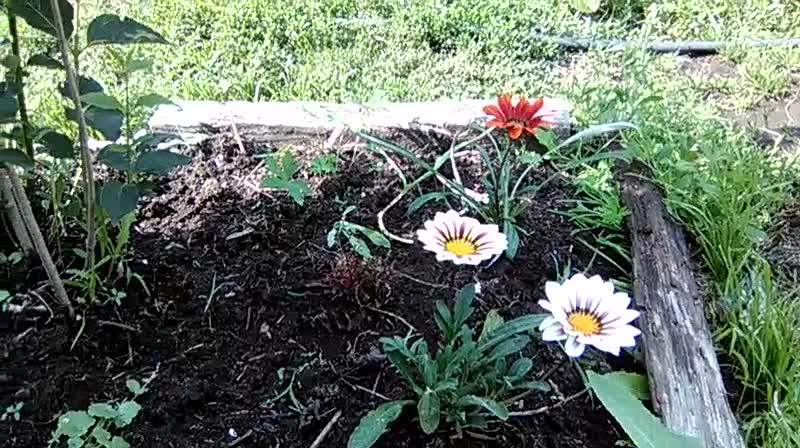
point(684, 376)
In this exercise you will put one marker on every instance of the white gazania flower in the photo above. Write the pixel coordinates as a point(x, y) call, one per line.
point(480, 198)
point(587, 311)
point(460, 239)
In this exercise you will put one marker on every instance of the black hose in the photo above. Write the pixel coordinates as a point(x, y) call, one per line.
point(691, 47)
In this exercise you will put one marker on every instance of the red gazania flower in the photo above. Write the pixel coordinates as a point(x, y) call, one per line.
point(521, 117)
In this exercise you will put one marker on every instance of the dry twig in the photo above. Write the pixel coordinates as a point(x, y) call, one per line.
point(318, 441)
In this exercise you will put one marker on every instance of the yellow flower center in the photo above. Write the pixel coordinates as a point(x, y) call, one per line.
point(461, 247)
point(584, 322)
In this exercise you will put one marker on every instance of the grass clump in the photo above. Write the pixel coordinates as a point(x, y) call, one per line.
point(723, 188)
point(761, 335)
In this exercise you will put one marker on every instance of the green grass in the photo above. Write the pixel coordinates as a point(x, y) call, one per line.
point(348, 50)
point(761, 336)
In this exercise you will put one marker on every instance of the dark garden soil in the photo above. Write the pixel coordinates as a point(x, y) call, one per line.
point(245, 295)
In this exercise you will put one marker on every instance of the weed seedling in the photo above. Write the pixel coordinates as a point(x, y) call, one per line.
point(350, 232)
point(324, 164)
point(95, 427)
point(282, 174)
point(12, 411)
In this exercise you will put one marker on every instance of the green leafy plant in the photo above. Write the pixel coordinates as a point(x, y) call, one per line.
point(281, 176)
point(507, 180)
point(467, 382)
point(350, 231)
point(12, 411)
point(620, 394)
point(95, 427)
point(324, 164)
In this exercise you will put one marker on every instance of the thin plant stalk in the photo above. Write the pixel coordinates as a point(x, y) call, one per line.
point(86, 156)
point(27, 141)
point(38, 240)
point(76, 44)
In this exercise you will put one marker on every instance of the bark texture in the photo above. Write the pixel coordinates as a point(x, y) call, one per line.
point(685, 381)
point(12, 212)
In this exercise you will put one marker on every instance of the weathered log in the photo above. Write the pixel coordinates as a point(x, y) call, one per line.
point(278, 123)
point(685, 381)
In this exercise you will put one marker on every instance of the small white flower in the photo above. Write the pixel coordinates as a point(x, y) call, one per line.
point(587, 311)
point(460, 239)
point(480, 198)
point(477, 287)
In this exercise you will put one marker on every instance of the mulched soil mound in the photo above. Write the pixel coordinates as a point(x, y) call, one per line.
point(245, 296)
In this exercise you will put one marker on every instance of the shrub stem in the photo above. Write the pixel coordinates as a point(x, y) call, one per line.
point(24, 207)
point(86, 156)
point(14, 216)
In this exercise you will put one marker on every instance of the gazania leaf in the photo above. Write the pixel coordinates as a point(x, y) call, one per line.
point(463, 308)
point(493, 321)
point(443, 317)
point(520, 368)
point(429, 409)
point(497, 409)
point(510, 328)
point(508, 347)
point(374, 424)
point(400, 362)
point(513, 239)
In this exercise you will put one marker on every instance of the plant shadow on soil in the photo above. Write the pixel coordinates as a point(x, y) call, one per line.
point(285, 305)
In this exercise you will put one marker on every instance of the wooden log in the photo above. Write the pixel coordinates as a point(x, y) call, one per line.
point(685, 381)
point(276, 123)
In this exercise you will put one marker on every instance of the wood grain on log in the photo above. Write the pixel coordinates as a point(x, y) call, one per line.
point(274, 122)
point(685, 380)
